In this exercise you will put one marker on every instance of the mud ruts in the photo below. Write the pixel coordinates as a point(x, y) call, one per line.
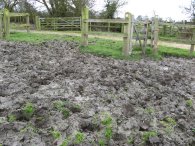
point(86, 100)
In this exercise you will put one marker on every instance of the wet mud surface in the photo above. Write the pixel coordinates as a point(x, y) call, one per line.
point(51, 94)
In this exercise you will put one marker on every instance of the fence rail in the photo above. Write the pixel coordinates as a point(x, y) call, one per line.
point(128, 29)
point(122, 21)
point(61, 23)
point(5, 16)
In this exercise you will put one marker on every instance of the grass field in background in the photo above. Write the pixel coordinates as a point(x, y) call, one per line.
point(101, 47)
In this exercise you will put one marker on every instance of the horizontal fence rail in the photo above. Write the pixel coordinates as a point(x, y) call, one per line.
point(18, 14)
point(122, 21)
point(66, 23)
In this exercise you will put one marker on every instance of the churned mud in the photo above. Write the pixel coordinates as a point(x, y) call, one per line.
point(51, 94)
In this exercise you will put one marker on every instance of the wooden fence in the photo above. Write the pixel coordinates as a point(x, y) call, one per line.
point(176, 30)
point(182, 32)
point(63, 23)
point(128, 29)
point(5, 16)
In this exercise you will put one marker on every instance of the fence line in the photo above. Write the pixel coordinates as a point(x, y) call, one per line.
point(128, 25)
point(58, 23)
point(5, 16)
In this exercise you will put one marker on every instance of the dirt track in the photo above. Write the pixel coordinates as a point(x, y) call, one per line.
point(143, 103)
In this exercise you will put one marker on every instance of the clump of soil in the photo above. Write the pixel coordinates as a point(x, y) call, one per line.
point(51, 94)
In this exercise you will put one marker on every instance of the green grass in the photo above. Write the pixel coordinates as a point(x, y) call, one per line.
point(79, 137)
point(189, 103)
point(11, 118)
point(101, 47)
point(149, 134)
point(39, 37)
point(55, 134)
point(109, 48)
point(31, 37)
point(175, 52)
point(174, 39)
point(28, 110)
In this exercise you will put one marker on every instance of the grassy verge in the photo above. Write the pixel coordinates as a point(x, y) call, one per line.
point(101, 47)
point(175, 52)
point(38, 38)
point(174, 39)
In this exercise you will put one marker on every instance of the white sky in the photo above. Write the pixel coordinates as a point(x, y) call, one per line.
point(162, 8)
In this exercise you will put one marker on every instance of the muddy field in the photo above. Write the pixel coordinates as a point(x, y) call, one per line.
point(52, 95)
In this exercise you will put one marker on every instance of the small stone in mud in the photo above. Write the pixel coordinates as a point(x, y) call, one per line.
point(88, 125)
point(128, 110)
point(75, 108)
point(154, 140)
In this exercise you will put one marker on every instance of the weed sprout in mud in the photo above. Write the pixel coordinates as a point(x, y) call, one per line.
point(28, 110)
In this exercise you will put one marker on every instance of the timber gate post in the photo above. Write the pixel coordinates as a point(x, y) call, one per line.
point(28, 22)
point(131, 34)
point(152, 33)
point(145, 37)
point(37, 23)
point(1, 25)
point(6, 23)
point(85, 25)
point(192, 41)
point(156, 30)
point(127, 34)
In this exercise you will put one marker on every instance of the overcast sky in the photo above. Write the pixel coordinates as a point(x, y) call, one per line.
point(163, 8)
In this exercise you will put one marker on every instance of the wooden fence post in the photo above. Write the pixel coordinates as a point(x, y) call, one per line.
point(164, 29)
point(108, 27)
point(1, 25)
point(131, 34)
point(81, 23)
point(152, 33)
point(6, 21)
point(127, 34)
point(37, 23)
point(145, 37)
point(28, 23)
point(156, 29)
point(85, 25)
point(192, 41)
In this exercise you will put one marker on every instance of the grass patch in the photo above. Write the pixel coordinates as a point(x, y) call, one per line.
point(79, 138)
point(175, 39)
point(175, 52)
point(169, 124)
point(189, 103)
point(113, 49)
point(28, 110)
point(39, 37)
point(148, 134)
point(102, 47)
point(11, 118)
point(31, 37)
